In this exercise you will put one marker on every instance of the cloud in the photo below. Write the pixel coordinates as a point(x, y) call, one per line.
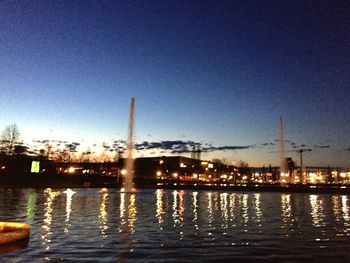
point(322, 146)
point(72, 147)
point(119, 142)
point(227, 148)
point(268, 144)
point(179, 146)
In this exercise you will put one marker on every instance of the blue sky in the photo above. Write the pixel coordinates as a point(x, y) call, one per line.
point(205, 71)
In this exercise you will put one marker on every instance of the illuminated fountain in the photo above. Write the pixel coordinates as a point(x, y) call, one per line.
point(128, 178)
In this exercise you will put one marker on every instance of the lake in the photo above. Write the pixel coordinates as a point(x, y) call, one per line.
point(105, 225)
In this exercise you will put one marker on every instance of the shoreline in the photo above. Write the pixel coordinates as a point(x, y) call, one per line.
point(94, 181)
point(311, 189)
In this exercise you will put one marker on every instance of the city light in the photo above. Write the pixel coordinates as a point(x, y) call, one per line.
point(236, 146)
point(312, 177)
point(223, 176)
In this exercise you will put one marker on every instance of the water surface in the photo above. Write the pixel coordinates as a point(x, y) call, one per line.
point(177, 226)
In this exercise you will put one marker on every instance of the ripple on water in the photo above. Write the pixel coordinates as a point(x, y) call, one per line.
point(177, 226)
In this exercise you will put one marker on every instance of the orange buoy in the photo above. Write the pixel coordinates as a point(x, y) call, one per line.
point(13, 236)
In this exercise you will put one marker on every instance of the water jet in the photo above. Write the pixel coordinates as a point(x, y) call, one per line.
point(128, 177)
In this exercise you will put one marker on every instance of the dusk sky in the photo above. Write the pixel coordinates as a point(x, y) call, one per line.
point(219, 73)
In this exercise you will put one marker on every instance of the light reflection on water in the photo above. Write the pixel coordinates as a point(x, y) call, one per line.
point(286, 208)
point(128, 217)
point(210, 213)
point(317, 207)
point(345, 209)
point(159, 211)
point(177, 225)
point(50, 196)
point(245, 213)
point(69, 193)
point(195, 213)
point(103, 216)
point(31, 206)
point(258, 211)
point(224, 210)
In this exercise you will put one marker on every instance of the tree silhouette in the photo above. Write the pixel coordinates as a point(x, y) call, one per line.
point(243, 167)
point(9, 139)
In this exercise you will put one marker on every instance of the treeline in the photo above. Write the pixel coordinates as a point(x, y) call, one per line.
point(11, 144)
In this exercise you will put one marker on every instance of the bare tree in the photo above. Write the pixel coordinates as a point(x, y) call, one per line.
point(9, 139)
point(243, 167)
point(242, 164)
point(85, 156)
point(63, 155)
point(104, 157)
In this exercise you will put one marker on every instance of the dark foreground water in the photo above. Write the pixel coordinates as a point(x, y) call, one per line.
point(178, 226)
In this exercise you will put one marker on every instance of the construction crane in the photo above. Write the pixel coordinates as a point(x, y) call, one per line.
point(196, 152)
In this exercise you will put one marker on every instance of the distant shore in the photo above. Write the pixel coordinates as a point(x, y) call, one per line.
point(95, 181)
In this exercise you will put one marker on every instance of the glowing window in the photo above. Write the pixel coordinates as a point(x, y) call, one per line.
point(35, 167)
